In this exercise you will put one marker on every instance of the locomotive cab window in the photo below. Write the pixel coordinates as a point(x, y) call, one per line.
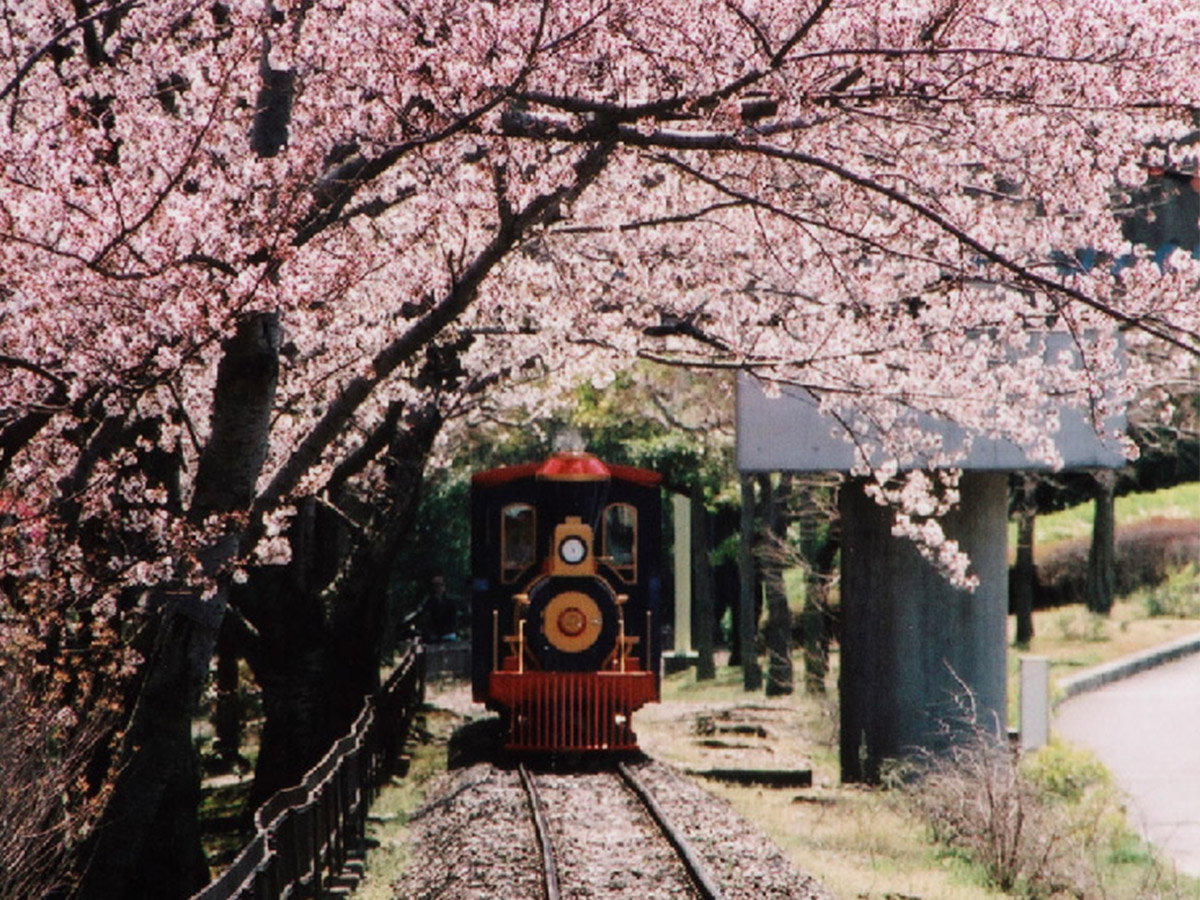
point(518, 537)
point(620, 539)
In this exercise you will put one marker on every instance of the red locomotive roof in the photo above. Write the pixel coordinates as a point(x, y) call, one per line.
point(644, 477)
point(573, 467)
point(567, 467)
point(493, 477)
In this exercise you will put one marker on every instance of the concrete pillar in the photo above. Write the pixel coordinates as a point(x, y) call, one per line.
point(1035, 702)
point(682, 656)
point(681, 506)
point(919, 656)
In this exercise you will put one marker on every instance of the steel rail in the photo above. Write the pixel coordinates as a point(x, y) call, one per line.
point(549, 866)
point(704, 884)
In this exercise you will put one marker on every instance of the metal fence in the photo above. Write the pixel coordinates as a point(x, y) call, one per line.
point(305, 834)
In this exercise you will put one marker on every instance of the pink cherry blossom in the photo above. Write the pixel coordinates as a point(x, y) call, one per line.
point(862, 199)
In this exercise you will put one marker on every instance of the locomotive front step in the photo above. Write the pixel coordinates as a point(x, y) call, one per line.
point(571, 711)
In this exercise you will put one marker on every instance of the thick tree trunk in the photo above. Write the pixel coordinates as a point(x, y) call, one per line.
point(241, 419)
point(148, 842)
point(289, 661)
point(227, 714)
point(747, 611)
point(1100, 586)
point(147, 846)
point(702, 591)
point(358, 597)
point(320, 618)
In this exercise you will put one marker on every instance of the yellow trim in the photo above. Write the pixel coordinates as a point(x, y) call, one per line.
point(628, 572)
point(573, 527)
point(572, 621)
point(510, 572)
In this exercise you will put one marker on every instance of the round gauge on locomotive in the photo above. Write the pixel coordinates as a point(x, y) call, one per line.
point(572, 550)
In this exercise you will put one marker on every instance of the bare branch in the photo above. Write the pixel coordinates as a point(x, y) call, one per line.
point(456, 300)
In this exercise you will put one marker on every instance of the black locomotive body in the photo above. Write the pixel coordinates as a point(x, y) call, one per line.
point(566, 568)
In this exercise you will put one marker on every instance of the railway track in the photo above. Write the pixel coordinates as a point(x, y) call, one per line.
point(473, 839)
point(604, 834)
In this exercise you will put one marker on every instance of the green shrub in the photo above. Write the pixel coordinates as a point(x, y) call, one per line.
point(1042, 826)
point(1065, 771)
point(1178, 597)
point(978, 802)
point(1078, 624)
point(1127, 849)
point(1147, 553)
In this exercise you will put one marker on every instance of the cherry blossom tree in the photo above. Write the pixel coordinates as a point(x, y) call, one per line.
point(386, 213)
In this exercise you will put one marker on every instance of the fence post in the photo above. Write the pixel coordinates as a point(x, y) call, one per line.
point(1035, 702)
point(316, 825)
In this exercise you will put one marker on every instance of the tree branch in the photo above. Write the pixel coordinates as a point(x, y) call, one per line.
point(460, 296)
point(721, 142)
point(62, 33)
point(346, 180)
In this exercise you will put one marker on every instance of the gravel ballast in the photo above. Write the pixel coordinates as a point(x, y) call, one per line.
point(474, 838)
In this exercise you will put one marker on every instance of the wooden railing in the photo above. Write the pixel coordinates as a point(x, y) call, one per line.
point(305, 834)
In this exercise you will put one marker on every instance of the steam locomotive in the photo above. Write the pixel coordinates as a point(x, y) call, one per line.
point(566, 581)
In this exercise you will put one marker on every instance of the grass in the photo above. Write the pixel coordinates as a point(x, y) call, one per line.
point(224, 822)
point(856, 841)
point(862, 843)
point(1179, 502)
point(399, 799)
point(1074, 639)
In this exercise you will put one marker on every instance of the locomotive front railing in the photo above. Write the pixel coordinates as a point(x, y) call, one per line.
point(303, 834)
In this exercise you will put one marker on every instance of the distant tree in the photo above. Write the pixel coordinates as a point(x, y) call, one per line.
point(1163, 426)
point(1100, 584)
point(777, 631)
point(819, 545)
point(704, 623)
point(798, 530)
point(1023, 577)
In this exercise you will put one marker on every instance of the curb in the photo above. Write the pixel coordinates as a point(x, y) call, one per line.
point(1098, 677)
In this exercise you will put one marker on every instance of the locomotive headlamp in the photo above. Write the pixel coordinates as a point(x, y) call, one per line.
point(572, 550)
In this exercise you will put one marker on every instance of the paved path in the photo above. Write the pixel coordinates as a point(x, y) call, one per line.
point(1146, 730)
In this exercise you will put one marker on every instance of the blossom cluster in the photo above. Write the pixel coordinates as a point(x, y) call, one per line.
point(871, 201)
